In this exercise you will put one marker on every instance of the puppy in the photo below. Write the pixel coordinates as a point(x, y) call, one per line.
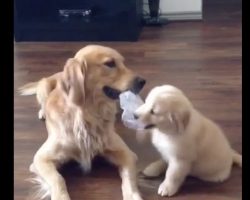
point(188, 142)
point(79, 105)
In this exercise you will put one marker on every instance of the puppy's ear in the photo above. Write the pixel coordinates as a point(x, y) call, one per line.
point(180, 120)
point(74, 80)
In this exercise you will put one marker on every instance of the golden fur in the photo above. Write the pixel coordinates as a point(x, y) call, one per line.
point(80, 119)
point(188, 142)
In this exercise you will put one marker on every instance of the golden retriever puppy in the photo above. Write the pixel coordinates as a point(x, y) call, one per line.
point(188, 142)
point(79, 105)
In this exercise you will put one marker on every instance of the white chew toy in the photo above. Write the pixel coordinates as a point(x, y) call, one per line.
point(129, 102)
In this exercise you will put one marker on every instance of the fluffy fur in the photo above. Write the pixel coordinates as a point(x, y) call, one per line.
point(188, 142)
point(80, 115)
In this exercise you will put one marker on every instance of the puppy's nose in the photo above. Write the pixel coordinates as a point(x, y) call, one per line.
point(136, 116)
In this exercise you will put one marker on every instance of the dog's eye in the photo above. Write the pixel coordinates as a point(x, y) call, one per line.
point(110, 64)
point(152, 112)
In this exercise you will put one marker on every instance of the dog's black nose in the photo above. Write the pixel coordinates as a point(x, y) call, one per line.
point(136, 116)
point(138, 84)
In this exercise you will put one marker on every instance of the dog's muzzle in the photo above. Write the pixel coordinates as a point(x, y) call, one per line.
point(137, 84)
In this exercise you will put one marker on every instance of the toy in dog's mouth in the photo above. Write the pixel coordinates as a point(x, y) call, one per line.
point(113, 93)
point(149, 126)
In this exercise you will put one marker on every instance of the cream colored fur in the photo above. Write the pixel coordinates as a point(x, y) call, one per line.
point(189, 143)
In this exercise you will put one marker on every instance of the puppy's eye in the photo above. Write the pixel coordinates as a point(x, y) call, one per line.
point(110, 64)
point(152, 112)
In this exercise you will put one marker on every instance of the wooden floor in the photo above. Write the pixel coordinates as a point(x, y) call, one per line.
point(202, 58)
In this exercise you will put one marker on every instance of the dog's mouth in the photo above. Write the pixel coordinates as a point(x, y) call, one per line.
point(111, 92)
point(149, 126)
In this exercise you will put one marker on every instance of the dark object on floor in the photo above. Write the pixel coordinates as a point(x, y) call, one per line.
point(154, 19)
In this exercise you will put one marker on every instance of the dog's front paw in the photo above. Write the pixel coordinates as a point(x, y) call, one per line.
point(61, 196)
point(167, 189)
point(133, 196)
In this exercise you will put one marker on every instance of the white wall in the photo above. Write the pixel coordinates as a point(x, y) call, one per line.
point(180, 9)
point(180, 6)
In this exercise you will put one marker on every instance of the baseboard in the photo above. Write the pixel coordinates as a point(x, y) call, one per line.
point(182, 16)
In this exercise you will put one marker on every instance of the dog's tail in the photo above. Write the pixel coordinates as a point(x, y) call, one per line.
point(28, 89)
point(41, 189)
point(237, 158)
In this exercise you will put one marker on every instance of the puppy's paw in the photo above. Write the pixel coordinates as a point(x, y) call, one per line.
point(41, 115)
point(167, 189)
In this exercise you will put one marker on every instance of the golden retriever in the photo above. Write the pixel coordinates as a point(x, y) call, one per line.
point(188, 142)
point(79, 108)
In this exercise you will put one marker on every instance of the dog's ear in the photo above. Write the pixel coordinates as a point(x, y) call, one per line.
point(180, 120)
point(74, 80)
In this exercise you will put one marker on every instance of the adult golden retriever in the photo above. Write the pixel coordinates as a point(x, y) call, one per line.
point(79, 107)
point(189, 142)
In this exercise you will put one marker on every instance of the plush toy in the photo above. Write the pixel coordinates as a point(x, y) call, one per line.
point(129, 102)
